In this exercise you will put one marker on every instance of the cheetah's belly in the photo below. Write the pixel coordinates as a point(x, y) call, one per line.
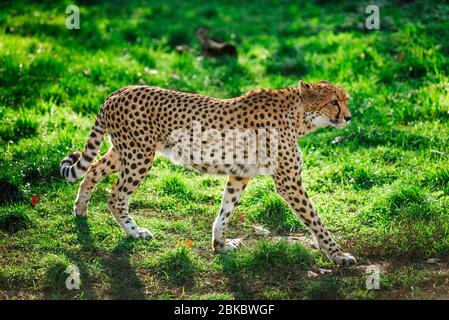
point(244, 170)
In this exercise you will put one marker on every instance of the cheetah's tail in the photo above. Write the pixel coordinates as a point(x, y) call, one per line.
point(74, 166)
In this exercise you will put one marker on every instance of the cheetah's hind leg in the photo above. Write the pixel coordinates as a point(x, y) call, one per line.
point(106, 165)
point(132, 172)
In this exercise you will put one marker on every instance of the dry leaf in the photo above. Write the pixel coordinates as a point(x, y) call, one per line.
point(324, 271)
point(338, 139)
point(296, 236)
point(433, 260)
point(312, 274)
point(438, 152)
point(261, 230)
point(150, 71)
point(189, 243)
point(35, 200)
point(175, 75)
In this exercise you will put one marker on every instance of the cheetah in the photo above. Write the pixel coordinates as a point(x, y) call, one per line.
point(194, 130)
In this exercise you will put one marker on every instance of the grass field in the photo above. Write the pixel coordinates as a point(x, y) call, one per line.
point(381, 185)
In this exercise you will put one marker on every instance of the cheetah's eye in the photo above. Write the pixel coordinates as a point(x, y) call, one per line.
point(334, 103)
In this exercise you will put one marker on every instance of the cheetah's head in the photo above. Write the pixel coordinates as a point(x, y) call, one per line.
point(325, 104)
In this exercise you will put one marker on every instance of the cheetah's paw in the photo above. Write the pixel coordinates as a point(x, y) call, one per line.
point(229, 245)
point(344, 259)
point(140, 233)
point(80, 211)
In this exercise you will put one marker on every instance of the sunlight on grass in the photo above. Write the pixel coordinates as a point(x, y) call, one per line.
point(381, 185)
point(271, 258)
point(177, 266)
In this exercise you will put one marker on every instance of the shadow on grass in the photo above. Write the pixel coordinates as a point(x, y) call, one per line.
point(240, 286)
point(10, 192)
point(124, 283)
point(278, 270)
point(178, 267)
point(268, 262)
point(56, 266)
point(13, 220)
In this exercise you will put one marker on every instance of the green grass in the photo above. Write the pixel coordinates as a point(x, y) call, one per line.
point(268, 257)
point(178, 266)
point(14, 219)
point(264, 206)
point(383, 189)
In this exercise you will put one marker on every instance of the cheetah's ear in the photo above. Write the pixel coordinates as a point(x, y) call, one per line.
point(304, 87)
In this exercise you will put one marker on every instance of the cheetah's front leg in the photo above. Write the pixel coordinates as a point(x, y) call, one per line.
point(233, 190)
point(289, 186)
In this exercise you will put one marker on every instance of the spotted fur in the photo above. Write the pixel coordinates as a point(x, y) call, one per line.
point(141, 120)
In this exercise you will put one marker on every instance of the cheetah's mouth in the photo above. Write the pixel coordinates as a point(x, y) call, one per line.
point(338, 125)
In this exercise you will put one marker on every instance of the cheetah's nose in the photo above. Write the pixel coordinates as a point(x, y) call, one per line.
point(347, 118)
